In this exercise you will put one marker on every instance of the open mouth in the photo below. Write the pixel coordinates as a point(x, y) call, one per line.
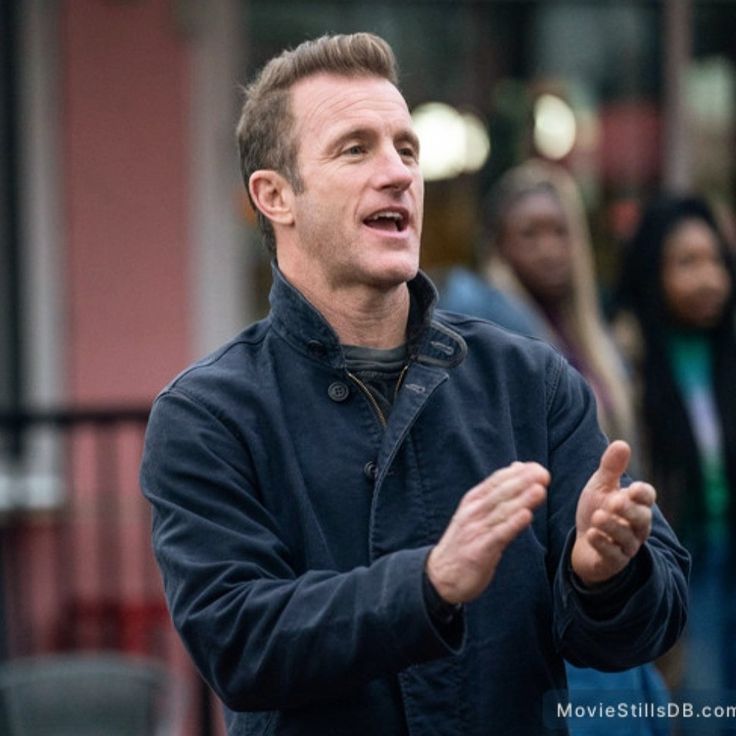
point(387, 221)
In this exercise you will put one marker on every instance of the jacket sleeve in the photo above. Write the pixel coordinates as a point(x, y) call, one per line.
point(624, 624)
point(263, 636)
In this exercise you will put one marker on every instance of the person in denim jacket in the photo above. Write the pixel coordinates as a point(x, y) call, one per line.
point(373, 517)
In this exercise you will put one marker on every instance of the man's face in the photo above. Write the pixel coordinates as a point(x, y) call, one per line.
point(358, 219)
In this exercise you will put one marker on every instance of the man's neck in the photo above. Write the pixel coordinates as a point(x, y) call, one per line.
point(361, 315)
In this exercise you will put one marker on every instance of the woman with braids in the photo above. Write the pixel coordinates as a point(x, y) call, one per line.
point(677, 283)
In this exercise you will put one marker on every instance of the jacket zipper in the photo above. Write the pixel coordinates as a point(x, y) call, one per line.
point(369, 396)
point(381, 416)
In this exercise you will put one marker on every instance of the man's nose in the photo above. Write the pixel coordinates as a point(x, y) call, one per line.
point(393, 171)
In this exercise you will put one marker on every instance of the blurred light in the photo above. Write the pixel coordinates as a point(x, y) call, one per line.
point(710, 91)
point(555, 128)
point(441, 138)
point(477, 142)
point(450, 143)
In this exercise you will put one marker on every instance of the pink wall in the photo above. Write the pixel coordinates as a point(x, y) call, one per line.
point(125, 108)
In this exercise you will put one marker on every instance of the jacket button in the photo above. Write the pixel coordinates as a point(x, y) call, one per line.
point(370, 469)
point(316, 348)
point(338, 391)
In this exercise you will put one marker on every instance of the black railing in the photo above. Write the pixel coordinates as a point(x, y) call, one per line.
point(75, 550)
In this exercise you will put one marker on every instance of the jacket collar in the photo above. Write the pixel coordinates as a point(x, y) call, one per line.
point(307, 331)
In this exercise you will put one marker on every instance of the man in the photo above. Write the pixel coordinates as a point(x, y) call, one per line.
point(372, 518)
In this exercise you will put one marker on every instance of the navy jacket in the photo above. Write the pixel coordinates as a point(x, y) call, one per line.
point(292, 528)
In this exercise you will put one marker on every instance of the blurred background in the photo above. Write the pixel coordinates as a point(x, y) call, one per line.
point(127, 247)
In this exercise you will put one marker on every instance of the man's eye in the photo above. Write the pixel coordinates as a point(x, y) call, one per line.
point(409, 152)
point(355, 150)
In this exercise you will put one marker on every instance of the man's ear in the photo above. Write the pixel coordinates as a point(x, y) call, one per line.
point(272, 195)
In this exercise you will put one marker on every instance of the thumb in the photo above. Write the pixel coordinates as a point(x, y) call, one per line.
point(614, 462)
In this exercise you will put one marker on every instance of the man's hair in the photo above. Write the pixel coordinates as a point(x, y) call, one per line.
point(265, 131)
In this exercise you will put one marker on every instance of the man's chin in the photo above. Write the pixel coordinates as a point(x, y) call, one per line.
point(393, 274)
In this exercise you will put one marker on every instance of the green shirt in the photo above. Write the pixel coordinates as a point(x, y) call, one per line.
point(692, 361)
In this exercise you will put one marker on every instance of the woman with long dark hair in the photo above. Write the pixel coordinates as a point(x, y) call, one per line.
point(678, 284)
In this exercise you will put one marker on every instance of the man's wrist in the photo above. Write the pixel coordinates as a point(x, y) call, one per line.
point(441, 611)
point(605, 600)
point(611, 585)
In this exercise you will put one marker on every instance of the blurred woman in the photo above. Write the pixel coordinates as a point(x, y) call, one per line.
point(537, 254)
point(678, 284)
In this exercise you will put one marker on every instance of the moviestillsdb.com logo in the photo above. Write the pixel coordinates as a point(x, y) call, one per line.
point(590, 709)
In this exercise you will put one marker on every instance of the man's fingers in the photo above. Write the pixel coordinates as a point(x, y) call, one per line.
point(613, 522)
point(612, 555)
point(507, 483)
point(619, 531)
point(634, 504)
point(506, 531)
point(642, 493)
point(614, 462)
point(529, 498)
point(489, 517)
point(637, 495)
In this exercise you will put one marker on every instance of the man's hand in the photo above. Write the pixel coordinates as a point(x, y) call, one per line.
point(488, 518)
point(611, 523)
